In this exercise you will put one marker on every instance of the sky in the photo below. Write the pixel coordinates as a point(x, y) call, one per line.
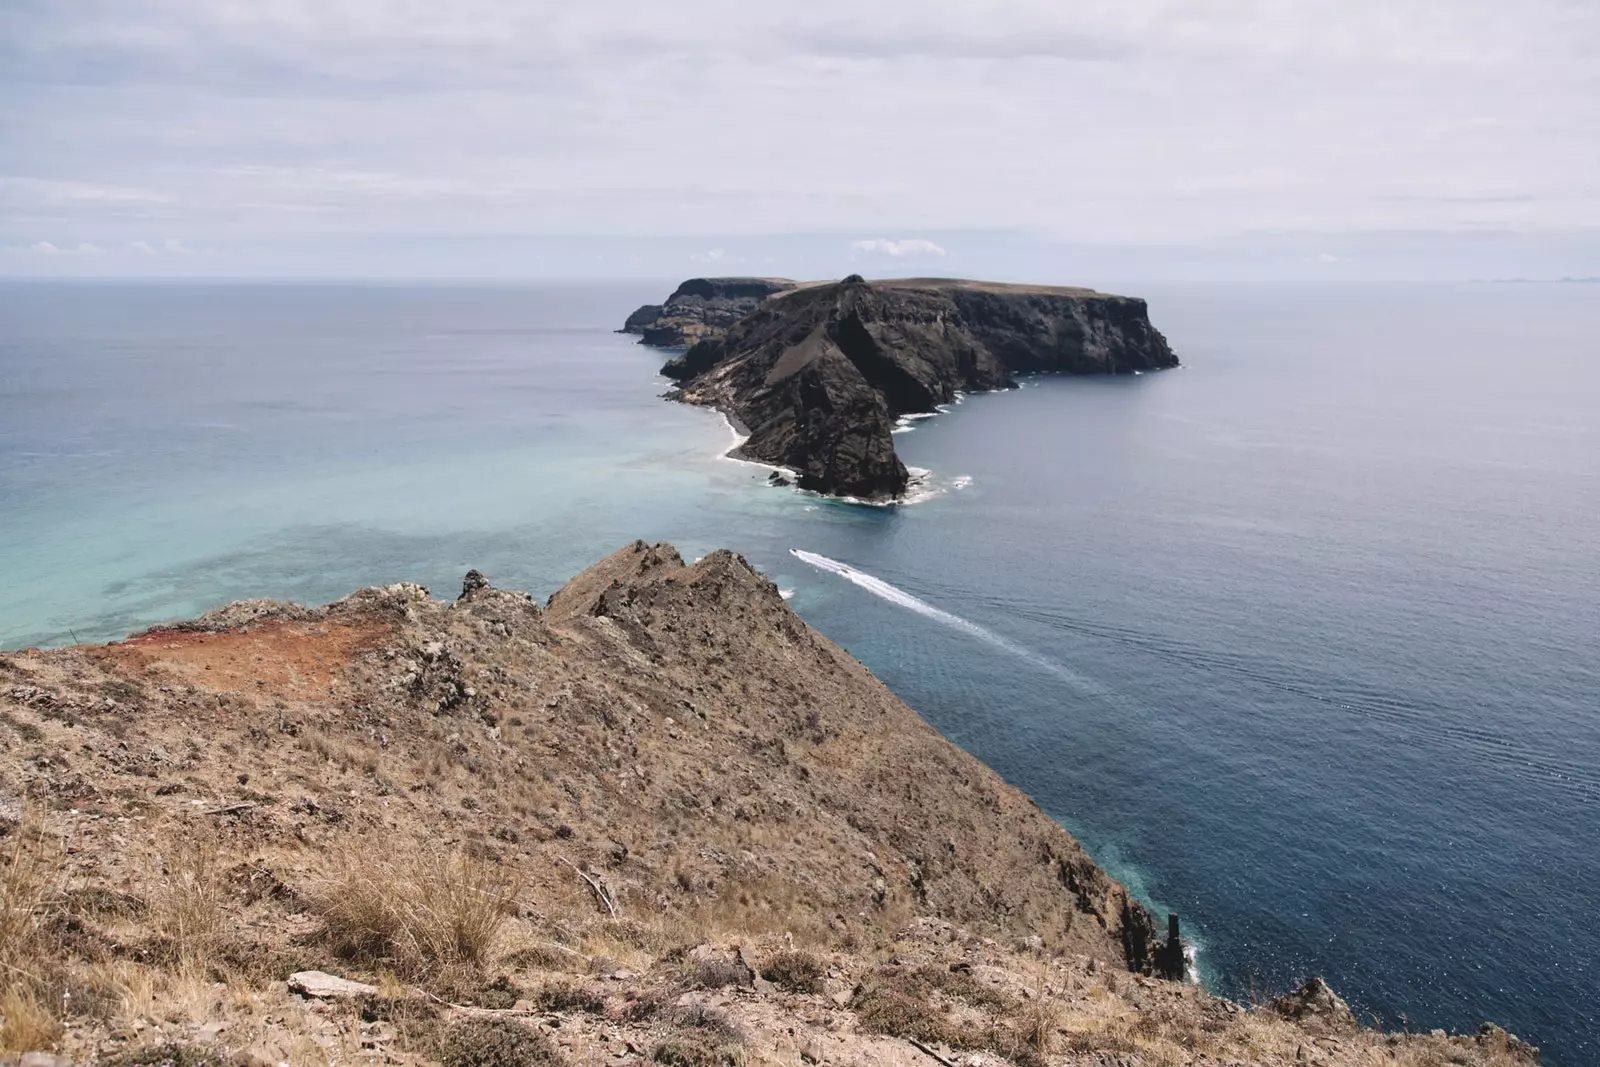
point(634, 138)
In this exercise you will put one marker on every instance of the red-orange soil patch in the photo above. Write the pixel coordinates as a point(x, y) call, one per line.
point(295, 660)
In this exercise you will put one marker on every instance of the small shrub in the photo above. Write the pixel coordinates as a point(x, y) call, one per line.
point(961, 985)
point(711, 1023)
point(172, 1055)
point(691, 1054)
point(643, 1007)
point(797, 972)
point(885, 1011)
point(537, 958)
point(489, 1042)
point(563, 996)
point(715, 973)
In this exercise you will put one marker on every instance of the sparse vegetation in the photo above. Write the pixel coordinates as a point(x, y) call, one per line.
point(680, 1053)
point(417, 914)
point(883, 1010)
point(796, 972)
point(28, 866)
point(714, 973)
point(286, 798)
point(564, 996)
point(492, 1042)
point(173, 1055)
point(187, 911)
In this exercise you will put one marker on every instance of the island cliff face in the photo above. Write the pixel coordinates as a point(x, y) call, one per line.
point(657, 819)
point(700, 308)
point(818, 375)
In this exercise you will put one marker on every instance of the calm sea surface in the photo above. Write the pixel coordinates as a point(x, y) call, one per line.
point(1302, 640)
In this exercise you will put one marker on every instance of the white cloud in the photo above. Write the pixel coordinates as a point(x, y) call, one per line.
point(82, 248)
point(1328, 257)
point(171, 246)
point(912, 248)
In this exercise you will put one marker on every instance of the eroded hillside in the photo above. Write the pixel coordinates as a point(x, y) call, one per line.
point(659, 819)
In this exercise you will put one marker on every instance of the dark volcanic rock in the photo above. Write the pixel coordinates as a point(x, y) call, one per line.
point(818, 375)
point(701, 308)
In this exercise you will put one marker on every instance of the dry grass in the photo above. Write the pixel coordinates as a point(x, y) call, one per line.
point(426, 913)
point(26, 1022)
point(187, 906)
point(27, 872)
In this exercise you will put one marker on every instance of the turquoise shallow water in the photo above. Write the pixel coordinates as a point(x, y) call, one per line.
point(1299, 639)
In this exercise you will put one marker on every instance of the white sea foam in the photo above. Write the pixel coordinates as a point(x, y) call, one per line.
point(787, 594)
point(894, 595)
point(739, 439)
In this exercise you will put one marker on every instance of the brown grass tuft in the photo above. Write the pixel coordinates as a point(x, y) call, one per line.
point(420, 914)
point(187, 909)
point(26, 1022)
point(26, 960)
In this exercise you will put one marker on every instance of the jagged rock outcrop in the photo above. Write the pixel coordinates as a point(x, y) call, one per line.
point(818, 375)
point(1315, 1001)
point(700, 308)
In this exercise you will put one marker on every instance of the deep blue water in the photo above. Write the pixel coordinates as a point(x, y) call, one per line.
point(1299, 639)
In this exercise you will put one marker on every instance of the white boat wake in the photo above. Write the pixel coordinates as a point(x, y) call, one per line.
point(894, 595)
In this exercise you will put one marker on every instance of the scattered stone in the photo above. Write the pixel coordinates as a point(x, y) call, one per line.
point(320, 985)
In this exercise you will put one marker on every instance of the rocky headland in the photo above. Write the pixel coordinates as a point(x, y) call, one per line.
point(700, 308)
point(817, 375)
point(655, 819)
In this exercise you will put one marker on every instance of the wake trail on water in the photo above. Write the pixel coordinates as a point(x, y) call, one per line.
point(895, 595)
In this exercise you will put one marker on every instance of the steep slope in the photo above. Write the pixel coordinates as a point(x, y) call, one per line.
point(818, 375)
point(699, 308)
point(658, 819)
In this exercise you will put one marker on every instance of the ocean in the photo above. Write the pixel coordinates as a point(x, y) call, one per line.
point(1299, 639)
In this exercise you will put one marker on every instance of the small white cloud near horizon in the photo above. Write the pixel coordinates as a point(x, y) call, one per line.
point(1328, 257)
point(911, 248)
point(171, 246)
point(47, 248)
point(712, 256)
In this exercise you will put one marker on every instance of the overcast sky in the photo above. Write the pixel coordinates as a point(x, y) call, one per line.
point(497, 138)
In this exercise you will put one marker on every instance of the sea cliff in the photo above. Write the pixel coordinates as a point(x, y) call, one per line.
point(700, 308)
point(657, 818)
point(817, 375)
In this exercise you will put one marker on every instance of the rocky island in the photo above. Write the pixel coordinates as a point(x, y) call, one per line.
point(817, 374)
point(700, 308)
point(655, 819)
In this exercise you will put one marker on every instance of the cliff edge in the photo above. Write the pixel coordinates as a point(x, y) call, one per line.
point(818, 374)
